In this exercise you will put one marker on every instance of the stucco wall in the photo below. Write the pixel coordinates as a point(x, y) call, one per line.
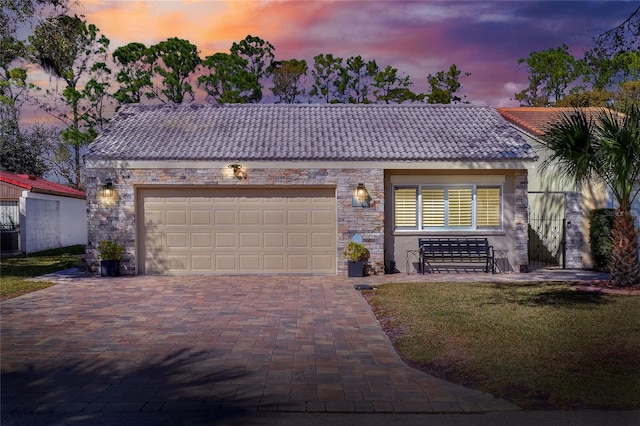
point(49, 221)
point(398, 243)
point(117, 219)
point(593, 195)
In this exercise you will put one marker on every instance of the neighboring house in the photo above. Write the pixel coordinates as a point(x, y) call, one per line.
point(258, 189)
point(49, 215)
point(552, 200)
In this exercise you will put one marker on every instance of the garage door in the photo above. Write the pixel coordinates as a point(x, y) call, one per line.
point(238, 230)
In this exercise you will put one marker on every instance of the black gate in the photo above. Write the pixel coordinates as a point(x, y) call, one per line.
point(547, 230)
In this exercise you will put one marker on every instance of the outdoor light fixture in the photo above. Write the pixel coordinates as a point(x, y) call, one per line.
point(237, 171)
point(108, 191)
point(361, 197)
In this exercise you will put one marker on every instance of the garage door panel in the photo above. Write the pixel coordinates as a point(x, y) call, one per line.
point(274, 263)
point(231, 230)
point(322, 217)
point(273, 240)
point(154, 217)
point(249, 240)
point(176, 217)
point(177, 239)
point(201, 217)
point(201, 240)
point(298, 240)
point(177, 262)
point(249, 217)
point(273, 217)
point(225, 240)
point(322, 240)
point(298, 262)
point(323, 262)
point(224, 217)
point(201, 263)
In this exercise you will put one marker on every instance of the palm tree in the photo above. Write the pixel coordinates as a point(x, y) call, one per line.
point(607, 148)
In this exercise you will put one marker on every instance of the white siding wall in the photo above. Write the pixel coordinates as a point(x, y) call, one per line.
point(49, 221)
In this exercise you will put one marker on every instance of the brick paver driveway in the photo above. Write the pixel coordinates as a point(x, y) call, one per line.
point(150, 344)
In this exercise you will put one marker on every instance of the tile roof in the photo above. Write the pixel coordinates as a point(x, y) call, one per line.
point(43, 186)
point(316, 132)
point(535, 120)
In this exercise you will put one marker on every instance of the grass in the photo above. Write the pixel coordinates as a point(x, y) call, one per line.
point(539, 345)
point(14, 271)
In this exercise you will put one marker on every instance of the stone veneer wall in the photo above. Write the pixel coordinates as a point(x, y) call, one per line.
point(574, 235)
point(522, 221)
point(116, 219)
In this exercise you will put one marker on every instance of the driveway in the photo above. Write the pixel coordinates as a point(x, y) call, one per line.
point(210, 344)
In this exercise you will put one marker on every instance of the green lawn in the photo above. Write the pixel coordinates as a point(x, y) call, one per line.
point(539, 345)
point(14, 271)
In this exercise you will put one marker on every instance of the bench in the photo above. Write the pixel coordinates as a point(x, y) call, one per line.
point(456, 250)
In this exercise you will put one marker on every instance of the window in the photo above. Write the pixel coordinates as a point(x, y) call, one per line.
point(463, 207)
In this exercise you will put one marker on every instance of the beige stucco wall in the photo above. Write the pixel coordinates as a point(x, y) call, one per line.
point(399, 242)
point(594, 195)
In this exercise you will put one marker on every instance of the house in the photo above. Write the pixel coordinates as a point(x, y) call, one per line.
point(259, 189)
point(47, 214)
point(559, 212)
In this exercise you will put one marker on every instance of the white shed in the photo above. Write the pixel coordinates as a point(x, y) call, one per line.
point(46, 214)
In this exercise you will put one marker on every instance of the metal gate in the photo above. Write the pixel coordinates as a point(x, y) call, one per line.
point(547, 230)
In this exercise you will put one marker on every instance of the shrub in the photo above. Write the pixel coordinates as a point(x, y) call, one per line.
point(354, 251)
point(602, 223)
point(110, 250)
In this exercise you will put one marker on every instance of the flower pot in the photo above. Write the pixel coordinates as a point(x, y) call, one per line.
point(109, 268)
point(355, 269)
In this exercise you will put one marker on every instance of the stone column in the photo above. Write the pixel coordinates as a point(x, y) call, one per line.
point(574, 233)
point(521, 221)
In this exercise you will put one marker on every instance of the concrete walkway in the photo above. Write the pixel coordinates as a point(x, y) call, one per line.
point(213, 345)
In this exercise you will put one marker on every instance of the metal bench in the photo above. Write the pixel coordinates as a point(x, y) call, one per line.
point(455, 251)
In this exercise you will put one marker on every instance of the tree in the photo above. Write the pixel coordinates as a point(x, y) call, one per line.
point(445, 85)
point(605, 148)
point(325, 73)
point(135, 73)
point(174, 61)
point(287, 80)
point(355, 80)
point(593, 98)
point(550, 74)
point(390, 87)
point(25, 152)
point(74, 52)
point(228, 80)
point(258, 55)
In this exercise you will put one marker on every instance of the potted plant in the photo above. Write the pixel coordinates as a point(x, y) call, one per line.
point(110, 256)
point(355, 254)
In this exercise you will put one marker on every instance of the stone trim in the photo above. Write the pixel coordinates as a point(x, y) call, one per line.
point(521, 185)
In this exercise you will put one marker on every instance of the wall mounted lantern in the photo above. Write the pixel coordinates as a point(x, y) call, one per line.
point(108, 191)
point(361, 197)
point(238, 173)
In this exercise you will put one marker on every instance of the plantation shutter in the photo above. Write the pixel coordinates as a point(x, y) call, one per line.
point(488, 207)
point(405, 208)
point(460, 206)
point(433, 208)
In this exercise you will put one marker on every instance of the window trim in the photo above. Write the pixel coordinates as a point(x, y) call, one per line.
point(446, 187)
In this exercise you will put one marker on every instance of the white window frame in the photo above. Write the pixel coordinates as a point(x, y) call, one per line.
point(446, 188)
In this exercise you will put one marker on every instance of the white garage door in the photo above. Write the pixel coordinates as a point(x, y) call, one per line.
point(238, 230)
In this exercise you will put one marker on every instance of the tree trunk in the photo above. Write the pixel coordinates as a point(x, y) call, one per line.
point(625, 267)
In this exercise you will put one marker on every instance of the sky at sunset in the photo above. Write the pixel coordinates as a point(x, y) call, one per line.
point(485, 38)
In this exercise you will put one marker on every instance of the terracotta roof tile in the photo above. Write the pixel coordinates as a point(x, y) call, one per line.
point(535, 120)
